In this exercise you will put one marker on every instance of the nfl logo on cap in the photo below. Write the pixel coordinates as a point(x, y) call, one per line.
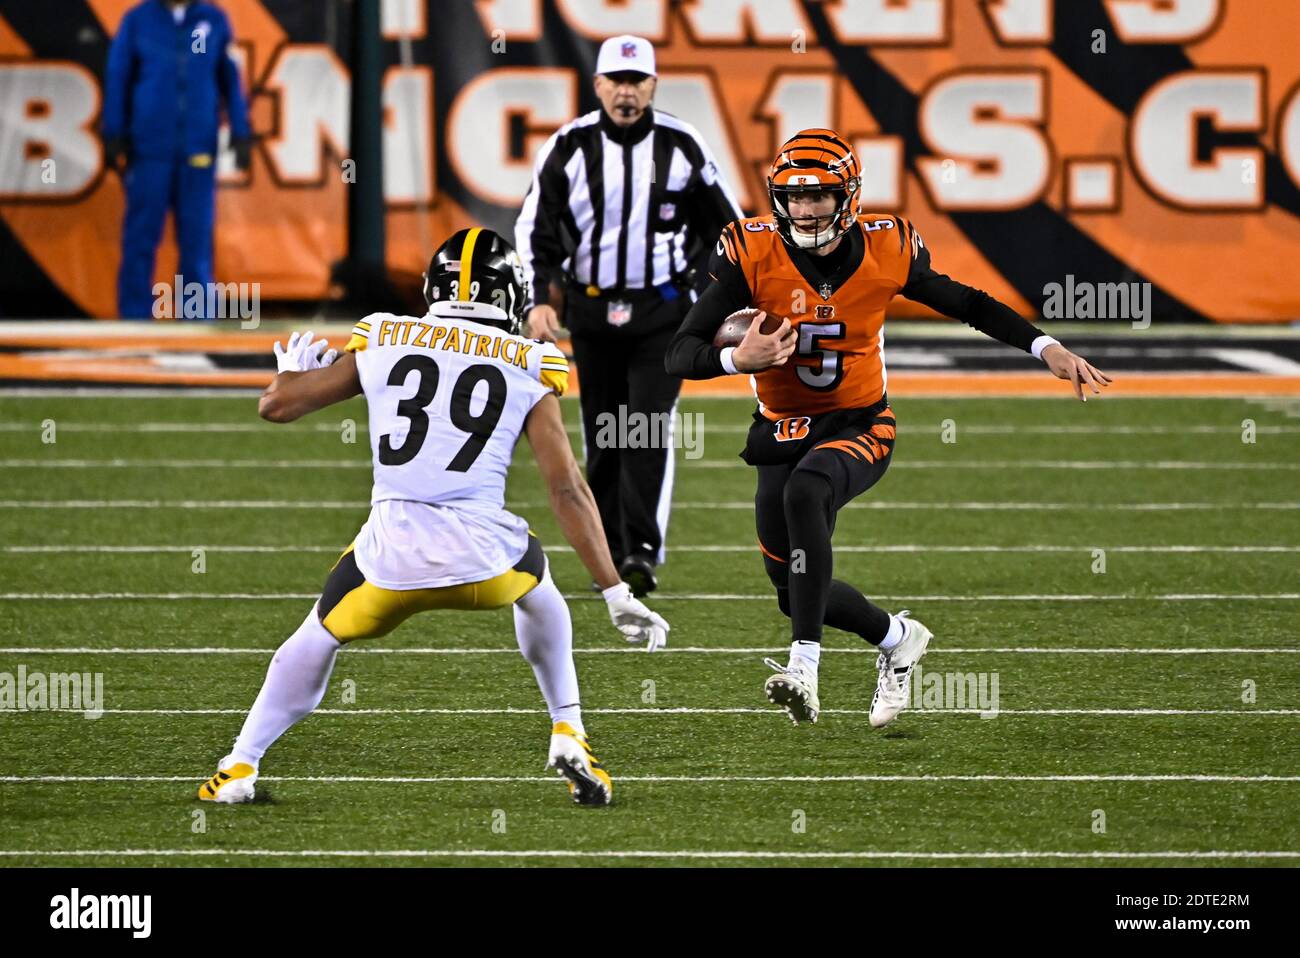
point(626, 54)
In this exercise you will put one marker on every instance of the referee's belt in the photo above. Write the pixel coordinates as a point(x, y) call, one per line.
point(667, 292)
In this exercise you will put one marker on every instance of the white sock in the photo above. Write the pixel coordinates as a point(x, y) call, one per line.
point(894, 635)
point(809, 654)
point(545, 634)
point(295, 684)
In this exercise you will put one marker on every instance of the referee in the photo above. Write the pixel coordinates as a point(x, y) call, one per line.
point(625, 206)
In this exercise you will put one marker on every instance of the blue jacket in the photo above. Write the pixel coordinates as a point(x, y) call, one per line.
point(161, 94)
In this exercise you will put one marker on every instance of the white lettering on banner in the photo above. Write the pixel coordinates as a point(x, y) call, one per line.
point(737, 21)
point(1001, 163)
point(1164, 143)
point(798, 101)
point(598, 19)
point(478, 127)
point(1021, 21)
point(1289, 135)
point(890, 21)
point(882, 171)
point(315, 92)
point(1163, 21)
point(517, 19)
point(692, 97)
point(46, 112)
point(985, 127)
point(408, 138)
point(401, 18)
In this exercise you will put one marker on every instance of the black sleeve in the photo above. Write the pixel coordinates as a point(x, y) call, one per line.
point(543, 234)
point(691, 354)
point(972, 306)
point(710, 209)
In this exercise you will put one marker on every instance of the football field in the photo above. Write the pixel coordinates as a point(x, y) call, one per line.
point(1114, 679)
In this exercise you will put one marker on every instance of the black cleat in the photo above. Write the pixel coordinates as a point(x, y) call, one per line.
point(639, 573)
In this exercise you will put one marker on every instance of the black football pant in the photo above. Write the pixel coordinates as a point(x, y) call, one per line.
point(621, 380)
point(795, 510)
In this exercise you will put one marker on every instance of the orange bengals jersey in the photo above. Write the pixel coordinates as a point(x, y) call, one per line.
point(839, 360)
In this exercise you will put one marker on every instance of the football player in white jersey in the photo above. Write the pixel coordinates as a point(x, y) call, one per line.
point(448, 395)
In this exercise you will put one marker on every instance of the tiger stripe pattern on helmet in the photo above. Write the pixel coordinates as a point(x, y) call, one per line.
point(814, 160)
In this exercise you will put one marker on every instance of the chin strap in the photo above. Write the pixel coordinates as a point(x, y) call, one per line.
point(814, 240)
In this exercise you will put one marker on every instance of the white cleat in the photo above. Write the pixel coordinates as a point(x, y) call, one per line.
point(794, 688)
point(893, 687)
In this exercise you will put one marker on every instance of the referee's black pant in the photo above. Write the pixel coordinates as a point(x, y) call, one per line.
point(628, 414)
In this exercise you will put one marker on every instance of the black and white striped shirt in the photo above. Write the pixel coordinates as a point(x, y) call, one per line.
point(621, 208)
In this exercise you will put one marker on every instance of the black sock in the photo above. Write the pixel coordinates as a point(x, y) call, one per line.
point(850, 610)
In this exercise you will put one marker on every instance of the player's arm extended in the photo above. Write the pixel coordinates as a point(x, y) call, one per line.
point(293, 395)
point(571, 499)
point(972, 306)
point(979, 310)
point(575, 509)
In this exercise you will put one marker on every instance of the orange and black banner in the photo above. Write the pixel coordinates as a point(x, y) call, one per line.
point(1040, 146)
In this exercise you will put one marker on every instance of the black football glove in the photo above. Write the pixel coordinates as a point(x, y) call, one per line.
point(117, 152)
point(243, 153)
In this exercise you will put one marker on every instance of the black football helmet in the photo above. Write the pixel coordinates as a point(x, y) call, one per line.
point(478, 275)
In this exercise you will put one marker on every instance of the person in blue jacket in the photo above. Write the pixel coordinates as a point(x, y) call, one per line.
point(169, 73)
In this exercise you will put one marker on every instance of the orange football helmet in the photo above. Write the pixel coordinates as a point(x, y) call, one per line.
point(815, 161)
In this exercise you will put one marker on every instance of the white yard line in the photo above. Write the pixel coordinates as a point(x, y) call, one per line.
point(667, 597)
point(696, 854)
point(1116, 713)
point(863, 649)
point(310, 428)
point(1163, 465)
point(746, 505)
point(742, 548)
point(659, 779)
point(133, 392)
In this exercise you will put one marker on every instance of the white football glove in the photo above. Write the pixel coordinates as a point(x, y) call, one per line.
point(303, 354)
point(631, 617)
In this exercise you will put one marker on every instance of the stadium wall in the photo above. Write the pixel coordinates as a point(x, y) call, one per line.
point(1032, 142)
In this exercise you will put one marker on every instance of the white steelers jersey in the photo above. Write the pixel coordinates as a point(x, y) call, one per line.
point(447, 399)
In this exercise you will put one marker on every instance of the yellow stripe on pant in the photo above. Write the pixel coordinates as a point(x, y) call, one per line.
point(353, 608)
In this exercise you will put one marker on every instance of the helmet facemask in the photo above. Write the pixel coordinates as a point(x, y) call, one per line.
point(815, 161)
point(827, 226)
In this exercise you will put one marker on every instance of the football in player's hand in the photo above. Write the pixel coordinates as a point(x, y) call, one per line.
point(734, 327)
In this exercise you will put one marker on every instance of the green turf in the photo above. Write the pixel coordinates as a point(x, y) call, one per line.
point(684, 779)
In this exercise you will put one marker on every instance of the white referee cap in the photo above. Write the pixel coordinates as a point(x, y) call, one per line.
point(626, 52)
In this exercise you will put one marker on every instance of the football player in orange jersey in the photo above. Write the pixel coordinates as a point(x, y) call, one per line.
point(823, 432)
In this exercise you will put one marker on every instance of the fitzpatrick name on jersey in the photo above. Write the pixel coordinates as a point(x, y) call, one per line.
point(455, 339)
point(553, 366)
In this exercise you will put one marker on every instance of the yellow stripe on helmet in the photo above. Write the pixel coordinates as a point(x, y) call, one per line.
point(466, 256)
